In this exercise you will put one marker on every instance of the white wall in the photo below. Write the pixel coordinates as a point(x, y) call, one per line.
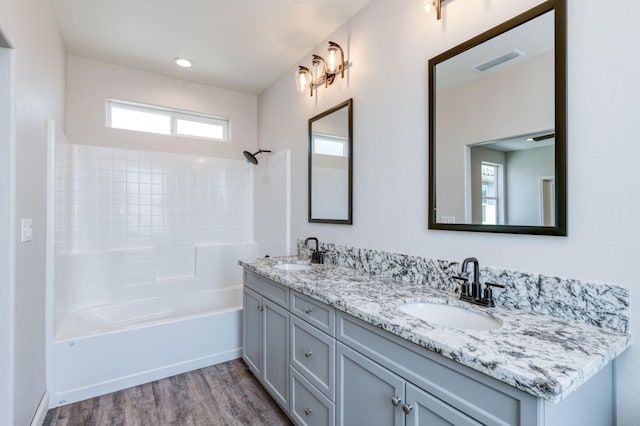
point(389, 43)
point(90, 83)
point(39, 65)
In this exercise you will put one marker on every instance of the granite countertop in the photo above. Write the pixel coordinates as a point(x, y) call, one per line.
point(539, 354)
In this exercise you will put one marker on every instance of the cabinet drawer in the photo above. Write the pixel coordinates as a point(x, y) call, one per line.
point(274, 291)
point(313, 355)
point(308, 406)
point(314, 312)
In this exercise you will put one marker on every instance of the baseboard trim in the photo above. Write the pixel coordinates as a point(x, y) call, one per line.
point(41, 412)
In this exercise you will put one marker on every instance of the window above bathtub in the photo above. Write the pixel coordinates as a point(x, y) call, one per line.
point(165, 121)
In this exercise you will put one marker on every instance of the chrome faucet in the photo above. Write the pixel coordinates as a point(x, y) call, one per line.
point(316, 255)
point(472, 291)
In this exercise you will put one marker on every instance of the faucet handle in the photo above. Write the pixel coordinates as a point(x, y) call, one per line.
point(488, 293)
point(464, 287)
point(488, 284)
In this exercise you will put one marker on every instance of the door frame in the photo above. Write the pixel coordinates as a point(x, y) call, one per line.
point(7, 230)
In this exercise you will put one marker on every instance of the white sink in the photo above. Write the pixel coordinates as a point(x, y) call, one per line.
point(293, 266)
point(451, 316)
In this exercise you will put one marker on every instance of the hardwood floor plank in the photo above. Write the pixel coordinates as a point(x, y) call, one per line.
point(225, 394)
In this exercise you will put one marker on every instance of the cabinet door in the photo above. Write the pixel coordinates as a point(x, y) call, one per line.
point(424, 409)
point(275, 352)
point(365, 391)
point(252, 331)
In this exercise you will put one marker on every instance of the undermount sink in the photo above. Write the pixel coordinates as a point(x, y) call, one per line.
point(293, 266)
point(451, 316)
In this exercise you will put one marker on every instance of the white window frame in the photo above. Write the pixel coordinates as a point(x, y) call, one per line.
point(500, 196)
point(332, 138)
point(174, 115)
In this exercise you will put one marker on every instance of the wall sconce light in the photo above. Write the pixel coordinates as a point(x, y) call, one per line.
point(323, 71)
point(428, 4)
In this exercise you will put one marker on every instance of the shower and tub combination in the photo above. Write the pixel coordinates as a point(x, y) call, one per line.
point(143, 281)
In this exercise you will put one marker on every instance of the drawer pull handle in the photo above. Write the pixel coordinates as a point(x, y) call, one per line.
point(308, 310)
point(396, 400)
point(308, 411)
point(407, 408)
point(308, 354)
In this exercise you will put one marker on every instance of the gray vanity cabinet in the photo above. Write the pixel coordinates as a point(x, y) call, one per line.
point(252, 331)
point(326, 367)
point(365, 391)
point(370, 394)
point(266, 335)
point(312, 362)
point(423, 409)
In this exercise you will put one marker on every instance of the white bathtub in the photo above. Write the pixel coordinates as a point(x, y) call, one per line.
point(104, 348)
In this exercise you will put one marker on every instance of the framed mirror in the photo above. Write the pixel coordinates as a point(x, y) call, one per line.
point(497, 128)
point(330, 165)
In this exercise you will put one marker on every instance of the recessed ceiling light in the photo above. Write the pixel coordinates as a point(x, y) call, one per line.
point(182, 62)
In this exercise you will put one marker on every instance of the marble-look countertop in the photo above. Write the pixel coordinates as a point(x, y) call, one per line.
point(539, 354)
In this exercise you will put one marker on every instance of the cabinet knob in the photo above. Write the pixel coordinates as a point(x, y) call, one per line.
point(261, 307)
point(308, 411)
point(308, 354)
point(396, 400)
point(308, 310)
point(407, 408)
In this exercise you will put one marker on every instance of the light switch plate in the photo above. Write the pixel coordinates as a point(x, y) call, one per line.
point(27, 230)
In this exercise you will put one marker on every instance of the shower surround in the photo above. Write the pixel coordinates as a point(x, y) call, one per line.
point(146, 282)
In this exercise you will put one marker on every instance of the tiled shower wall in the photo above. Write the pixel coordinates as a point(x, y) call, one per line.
point(157, 206)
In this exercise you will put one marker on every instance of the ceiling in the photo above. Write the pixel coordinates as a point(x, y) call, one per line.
point(240, 45)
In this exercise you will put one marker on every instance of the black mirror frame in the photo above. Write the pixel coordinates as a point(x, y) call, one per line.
point(560, 228)
point(349, 104)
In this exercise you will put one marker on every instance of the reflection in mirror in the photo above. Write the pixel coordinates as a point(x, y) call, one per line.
point(497, 129)
point(330, 160)
point(511, 181)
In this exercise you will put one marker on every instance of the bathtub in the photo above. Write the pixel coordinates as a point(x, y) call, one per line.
point(105, 348)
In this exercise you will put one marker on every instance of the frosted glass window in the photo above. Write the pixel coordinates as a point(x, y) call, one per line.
point(152, 119)
point(329, 146)
point(201, 130)
point(141, 121)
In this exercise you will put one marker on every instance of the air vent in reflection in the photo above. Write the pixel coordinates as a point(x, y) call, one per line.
point(499, 60)
point(541, 137)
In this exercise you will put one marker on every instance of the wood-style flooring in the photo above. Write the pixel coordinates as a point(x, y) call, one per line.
point(223, 394)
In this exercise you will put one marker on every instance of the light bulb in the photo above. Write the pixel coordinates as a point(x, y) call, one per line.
point(333, 60)
point(426, 4)
point(302, 79)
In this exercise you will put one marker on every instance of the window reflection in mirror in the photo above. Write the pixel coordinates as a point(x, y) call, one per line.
point(330, 159)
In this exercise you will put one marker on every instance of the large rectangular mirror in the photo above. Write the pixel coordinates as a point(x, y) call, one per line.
point(330, 165)
point(497, 128)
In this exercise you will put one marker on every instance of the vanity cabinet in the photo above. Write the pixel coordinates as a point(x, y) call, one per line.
point(326, 367)
point(364, 397)
point(366, 390)
point(312, 361)
point(266, 336)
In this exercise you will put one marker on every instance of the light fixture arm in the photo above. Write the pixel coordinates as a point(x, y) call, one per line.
point(438, 4)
